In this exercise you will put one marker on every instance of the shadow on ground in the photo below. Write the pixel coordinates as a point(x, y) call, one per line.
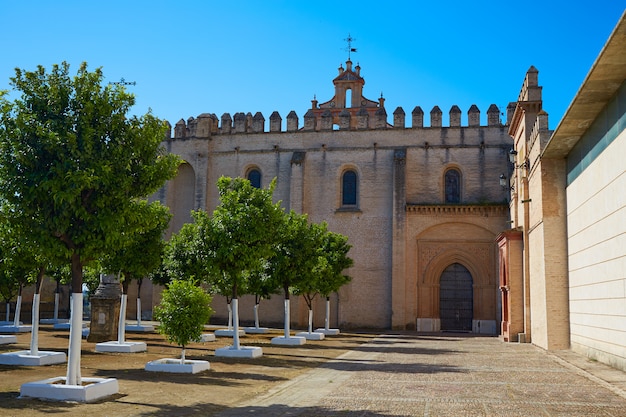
point(276, 410)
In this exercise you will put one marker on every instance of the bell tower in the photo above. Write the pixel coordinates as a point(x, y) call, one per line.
point(348, 99)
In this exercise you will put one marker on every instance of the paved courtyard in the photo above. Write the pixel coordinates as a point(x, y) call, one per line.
point(447, 375)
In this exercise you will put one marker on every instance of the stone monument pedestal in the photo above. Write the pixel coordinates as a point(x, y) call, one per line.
point(105, 310)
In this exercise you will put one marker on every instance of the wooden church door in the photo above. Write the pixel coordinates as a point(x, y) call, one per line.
point(456, 299)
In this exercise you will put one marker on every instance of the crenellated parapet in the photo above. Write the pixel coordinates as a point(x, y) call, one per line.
point(539, 136)
point(206, 125)
point(348, 109)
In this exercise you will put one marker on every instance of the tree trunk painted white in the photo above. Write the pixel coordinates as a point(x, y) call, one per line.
point(310, 321)
point(235, 310)
point(287, 315)
point(138, 311)
point(230, 316)
point(182, 357)
point(76, 335)
point(56, 306)
point(121, 326)
point(34, 336)
point(327, 319)
point(256, 316)
point(18, 311)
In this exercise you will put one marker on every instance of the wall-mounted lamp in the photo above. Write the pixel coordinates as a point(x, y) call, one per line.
point(513, 159)
point(512, 155)
point(504, 183)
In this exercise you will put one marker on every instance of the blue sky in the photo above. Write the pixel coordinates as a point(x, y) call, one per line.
point(193, 57)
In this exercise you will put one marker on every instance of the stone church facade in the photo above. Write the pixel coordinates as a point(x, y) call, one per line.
point(421, 204)
point(438, 242)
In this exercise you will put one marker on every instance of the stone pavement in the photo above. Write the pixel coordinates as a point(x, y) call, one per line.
point(447, 375)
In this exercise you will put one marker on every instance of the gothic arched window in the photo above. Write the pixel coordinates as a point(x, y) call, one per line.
point(254, 176)
point(453, 186)
point(349, 188)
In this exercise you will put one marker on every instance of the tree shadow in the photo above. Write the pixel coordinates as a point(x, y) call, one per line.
point(281, 360)
point(412, 350)
point(394, 368)
point(284, 358)
point(208, 377)
point(10, 400)
point(274, 410)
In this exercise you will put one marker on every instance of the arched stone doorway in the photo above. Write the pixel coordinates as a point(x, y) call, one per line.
point(456, 298)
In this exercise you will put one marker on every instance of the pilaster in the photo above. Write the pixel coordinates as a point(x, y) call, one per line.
point(398, 245)
point(296, 183)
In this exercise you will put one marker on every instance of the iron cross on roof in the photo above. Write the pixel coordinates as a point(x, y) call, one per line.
point(349, 49)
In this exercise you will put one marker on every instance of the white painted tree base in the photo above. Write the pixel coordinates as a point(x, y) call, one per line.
point(174, 366)
point(24, 358)
point(124, 347)
point(55, 389)
point(15, 329)
point(288, 341)
point(228, 333)
point(242, 352)
point(66, 325)
point(139, 328)
point(6, 339)
point(328, 332)
point(311, 336)
point(256, 330)
point(53, 321)
point(207, 337)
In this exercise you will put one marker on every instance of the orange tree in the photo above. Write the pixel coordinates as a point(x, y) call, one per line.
point(227, 249)
point(74, 166)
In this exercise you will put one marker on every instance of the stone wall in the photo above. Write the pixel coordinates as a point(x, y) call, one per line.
point(308, 166)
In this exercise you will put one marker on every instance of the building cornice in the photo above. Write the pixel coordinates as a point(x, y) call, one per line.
point(492, 210)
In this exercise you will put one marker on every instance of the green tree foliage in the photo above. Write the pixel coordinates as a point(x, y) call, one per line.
point(329, 261)
point(250, 245)
point(244, 225)
point(91, 277)
point(8, 286)
point(296, 249)
point(141, 250)
point(324, 275)
point(184, 310)
point(189, 253)
point(73, 165)
point(261, 283)
point(224, 249)
point(20, 263)
point(333, 260)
